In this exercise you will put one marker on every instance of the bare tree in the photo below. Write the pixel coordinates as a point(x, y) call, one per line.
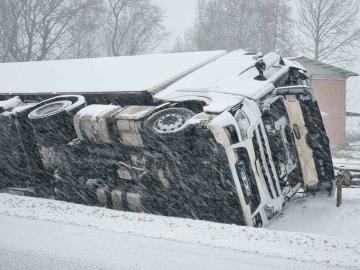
point(86, 31)
point(275, 26)
point(185, 43)
point(38, 29)
point(329, 28)
point(4, 26)
point(231, 24)
point(134, 27)
point(224, 24)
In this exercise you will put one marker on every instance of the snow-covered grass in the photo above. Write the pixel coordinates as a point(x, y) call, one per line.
point(347, 154)
point(353, 127)
point(71, 236)
point(320, 215)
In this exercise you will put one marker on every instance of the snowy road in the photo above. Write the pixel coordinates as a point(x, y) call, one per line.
point(58, 246)
point(44, 234)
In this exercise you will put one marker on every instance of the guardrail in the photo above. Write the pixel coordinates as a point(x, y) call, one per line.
point(346, 178)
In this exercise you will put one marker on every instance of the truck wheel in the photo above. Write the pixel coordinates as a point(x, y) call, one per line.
point(168, 121)
point(50, 109)
point(52, 119)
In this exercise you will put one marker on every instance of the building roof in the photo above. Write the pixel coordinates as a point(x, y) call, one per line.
point(104, 75)
point(317, 69)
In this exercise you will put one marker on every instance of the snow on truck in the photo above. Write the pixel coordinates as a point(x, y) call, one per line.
point(218, 136)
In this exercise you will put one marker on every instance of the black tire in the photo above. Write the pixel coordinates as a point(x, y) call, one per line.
point(169, 121)
point(52, 119)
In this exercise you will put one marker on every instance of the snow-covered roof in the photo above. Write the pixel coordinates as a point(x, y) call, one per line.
point(318, 69)
point(110, 74)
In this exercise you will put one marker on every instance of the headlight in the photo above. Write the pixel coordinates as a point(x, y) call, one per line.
point(243, 123)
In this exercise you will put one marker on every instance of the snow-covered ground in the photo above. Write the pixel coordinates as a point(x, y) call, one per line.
point(347, 155)
point(320, 215)
point(45, 234)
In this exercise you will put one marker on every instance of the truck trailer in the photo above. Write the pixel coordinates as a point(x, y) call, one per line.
point(220, 136)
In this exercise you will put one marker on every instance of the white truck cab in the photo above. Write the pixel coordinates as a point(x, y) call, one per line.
point(248, 110)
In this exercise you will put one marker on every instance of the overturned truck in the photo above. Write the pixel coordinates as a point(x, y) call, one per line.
point(224, 137)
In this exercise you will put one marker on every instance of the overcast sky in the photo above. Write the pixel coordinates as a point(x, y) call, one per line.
point(179, 15)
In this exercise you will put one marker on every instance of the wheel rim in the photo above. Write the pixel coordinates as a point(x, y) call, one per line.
point(169, 122)
point(50, 109)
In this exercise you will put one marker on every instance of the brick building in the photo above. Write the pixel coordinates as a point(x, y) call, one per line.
point(329, 84)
